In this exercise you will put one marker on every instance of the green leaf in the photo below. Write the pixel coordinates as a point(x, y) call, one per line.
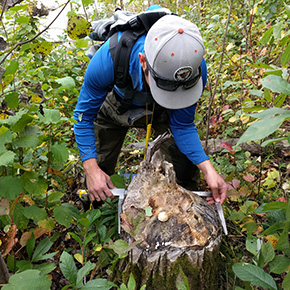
point(274, 228)
point(288, 211)
point(30, 245)
point(60, 153)
point(120, 247)
point(267, 254)
point(41, 249)
point(7, 158)
point(285, 58)
point(277, 30)
point(5, 137)
point(66, 83)
point(118, 181)
point(283, 242)
point(276, 84)
point(280, 264)
point(12, 100)
point(82, 272)
point(98, 284)
point(20, 125)
point(63, 215)
point(23, 20)
point(50, 116)
point(82, 43)
point(10, 187)
point(43, 47)
point(45, 268)
point(253, 245)
point(275, 205)
point(68, 267)
point(29, 279)
point(35, 213)
point(255, 275)
point(87, 2)
point(27, 141)
point(287, 9)
point(12, 68)
point(131, 282)
point(286, 282)
point(148, 211)
point(33, 183)
point(267, 36)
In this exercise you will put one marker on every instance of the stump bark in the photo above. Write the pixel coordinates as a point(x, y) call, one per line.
point(179, 233)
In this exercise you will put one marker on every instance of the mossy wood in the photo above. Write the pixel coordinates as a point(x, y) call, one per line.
point(180, 245)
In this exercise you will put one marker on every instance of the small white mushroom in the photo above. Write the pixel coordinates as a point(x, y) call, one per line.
point(163, 216)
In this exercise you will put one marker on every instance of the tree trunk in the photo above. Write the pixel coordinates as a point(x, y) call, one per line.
point(179, 234)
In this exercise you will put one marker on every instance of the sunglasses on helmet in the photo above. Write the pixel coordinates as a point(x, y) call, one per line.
point(169, 85)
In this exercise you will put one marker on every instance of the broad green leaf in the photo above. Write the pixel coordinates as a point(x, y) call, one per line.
point(285, 58)
point(254, 274)
point(66, 83)
point(253, 245)
point(120, 247)
point(118, 181)
point(45, 268)
point(60, 153)
point(33, 183)
point(276, 84)
point(23, 20)
point(50, 116)
point(20, 125)
point(266, 37)
point(12, 68)
point(283, 242)
point(82, 43)
point(287, 9)
point(10, 187)
point(277, 30)
point(7, 158)
point(68, 267)
point(274, 228)
point(19, 218)
point(286, 282)
point(100, 284)
point(5, 137)
point(275, 205)
point(267, 254)
point(26, 279)
point(131, 282)
point(27, 141)
point(35, 213)
point(280, 264)
point(12, 100)
point(63, 215)
point(42, 248)
point(78, 27)
point(55, 196)
point(87, 2)
point(82, 272)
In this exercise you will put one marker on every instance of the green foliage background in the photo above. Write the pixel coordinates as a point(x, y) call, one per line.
point(247, 53)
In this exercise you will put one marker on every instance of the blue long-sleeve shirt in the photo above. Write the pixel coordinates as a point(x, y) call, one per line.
point(99, 77)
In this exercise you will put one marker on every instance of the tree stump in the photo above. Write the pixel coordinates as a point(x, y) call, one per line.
point(179, 233)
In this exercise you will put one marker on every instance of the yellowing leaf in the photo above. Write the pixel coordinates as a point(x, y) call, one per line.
point(35, 98)
point(233, 119)
point(254, 11)
point(78, 27)
point(44, 47)
point(98, 248)
point(244, 118)
point(272, 239)
point(79, 258)
point(235, 17)
point(65, 98)
point(27, 199)
point(47, 224)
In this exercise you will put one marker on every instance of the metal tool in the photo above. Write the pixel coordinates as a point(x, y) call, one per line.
point(218, 207)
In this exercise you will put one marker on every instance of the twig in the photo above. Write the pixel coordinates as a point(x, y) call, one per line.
point(218, 74)
point(3, 9)
point(37, 35)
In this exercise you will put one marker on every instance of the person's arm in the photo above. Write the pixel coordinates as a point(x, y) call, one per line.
point(99, 76)
point(187, 139)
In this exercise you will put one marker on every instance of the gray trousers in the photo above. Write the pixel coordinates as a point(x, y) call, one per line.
point(111, 129)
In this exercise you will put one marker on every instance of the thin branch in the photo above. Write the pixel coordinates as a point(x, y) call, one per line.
point(37, 35)
point(3, 9)
point(218, 74)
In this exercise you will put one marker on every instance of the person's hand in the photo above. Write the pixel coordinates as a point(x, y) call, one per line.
point(98, 182)
point(215, 182)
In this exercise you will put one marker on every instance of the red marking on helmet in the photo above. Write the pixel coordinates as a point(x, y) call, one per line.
point(172, 53)
point(180, 30)
point(156, 39)
point(195, 51)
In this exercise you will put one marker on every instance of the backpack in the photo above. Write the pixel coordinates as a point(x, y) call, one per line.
point(133, 26)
